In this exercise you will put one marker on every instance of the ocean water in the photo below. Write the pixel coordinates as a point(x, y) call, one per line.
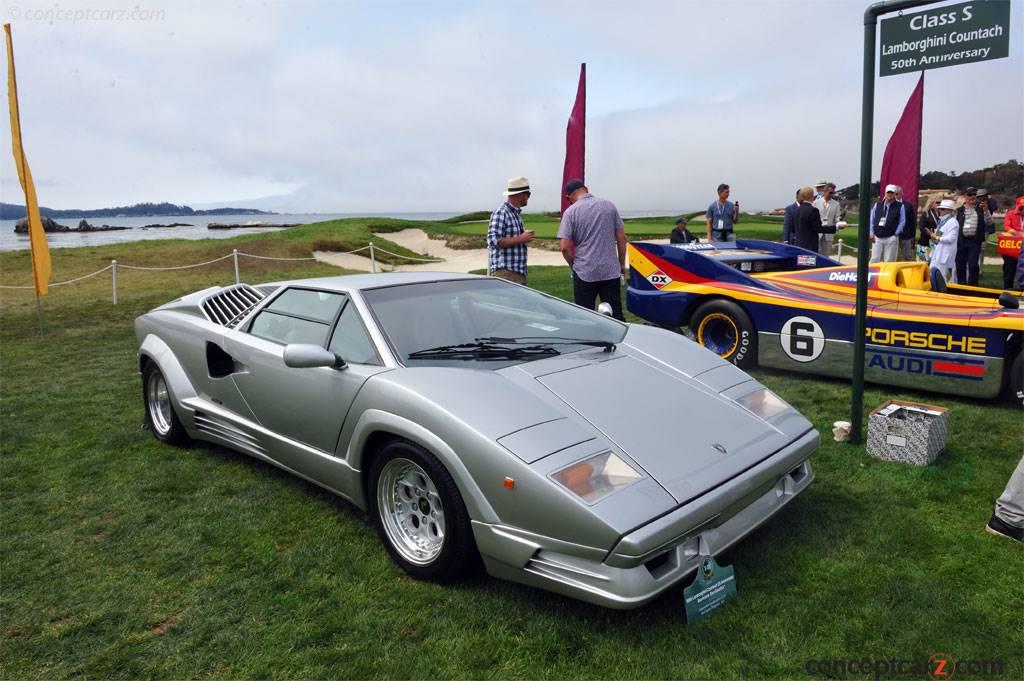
point(196, 229)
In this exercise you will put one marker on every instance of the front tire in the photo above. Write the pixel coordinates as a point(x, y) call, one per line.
point(419, 513)
point(159, 406)
point(725, 328)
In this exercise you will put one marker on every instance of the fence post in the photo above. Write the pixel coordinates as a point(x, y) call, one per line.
point(839, 246)
point(113, 270)
point(234, 252)
point(373, 259)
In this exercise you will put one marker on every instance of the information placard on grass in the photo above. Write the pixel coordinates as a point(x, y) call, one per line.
point(946, 36)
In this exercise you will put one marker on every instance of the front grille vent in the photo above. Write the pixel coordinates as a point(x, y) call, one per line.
point(229, 305)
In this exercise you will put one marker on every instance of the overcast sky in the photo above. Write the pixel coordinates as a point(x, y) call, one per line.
point(431, 106)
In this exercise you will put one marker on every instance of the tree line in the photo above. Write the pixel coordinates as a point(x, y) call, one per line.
point(10, 211)
point(1004, 180)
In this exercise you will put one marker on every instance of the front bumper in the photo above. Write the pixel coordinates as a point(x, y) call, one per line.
point(652, 558)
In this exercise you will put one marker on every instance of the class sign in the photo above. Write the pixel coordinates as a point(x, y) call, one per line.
point(947, 36)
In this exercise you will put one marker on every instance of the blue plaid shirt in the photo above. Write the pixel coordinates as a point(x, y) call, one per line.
point(505, 222)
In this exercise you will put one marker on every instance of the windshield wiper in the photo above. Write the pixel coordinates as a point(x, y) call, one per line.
point(550, 340)
point(483, 349)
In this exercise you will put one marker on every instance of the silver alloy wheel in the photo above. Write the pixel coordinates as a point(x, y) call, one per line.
point(158, 403)
point(411, 511)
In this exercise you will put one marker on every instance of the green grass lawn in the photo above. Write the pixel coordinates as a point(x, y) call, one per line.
point(121, 557)
point(546, 227)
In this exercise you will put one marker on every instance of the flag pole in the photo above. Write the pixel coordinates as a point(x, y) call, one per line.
point(39, 313)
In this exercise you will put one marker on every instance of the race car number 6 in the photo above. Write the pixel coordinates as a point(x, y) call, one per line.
point(802, 339)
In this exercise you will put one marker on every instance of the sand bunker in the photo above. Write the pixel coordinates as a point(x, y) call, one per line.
point(456, 260)
point(416, 240)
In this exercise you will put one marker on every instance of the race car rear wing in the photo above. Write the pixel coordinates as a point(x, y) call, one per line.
point(653, 265)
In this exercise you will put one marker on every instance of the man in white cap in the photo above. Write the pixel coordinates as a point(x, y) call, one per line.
point(944, 236)
point(886, 225)
point(506, 237)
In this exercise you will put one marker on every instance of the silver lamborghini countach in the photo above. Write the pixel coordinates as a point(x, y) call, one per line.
point(475, 419)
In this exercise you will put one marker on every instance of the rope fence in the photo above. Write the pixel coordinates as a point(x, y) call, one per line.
point(235, 254)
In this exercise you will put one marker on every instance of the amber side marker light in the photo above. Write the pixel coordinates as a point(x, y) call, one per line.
point(510, 483)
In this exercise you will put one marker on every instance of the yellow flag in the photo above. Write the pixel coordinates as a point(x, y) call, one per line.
point(37, 237)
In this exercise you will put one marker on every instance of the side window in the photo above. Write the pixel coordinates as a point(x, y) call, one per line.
point(298, 316)
point(351, 341)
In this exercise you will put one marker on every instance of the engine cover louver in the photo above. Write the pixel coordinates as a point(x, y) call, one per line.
point(229, 305)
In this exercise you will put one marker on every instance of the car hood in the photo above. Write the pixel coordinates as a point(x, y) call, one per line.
point(680, 430)
point(661, 400)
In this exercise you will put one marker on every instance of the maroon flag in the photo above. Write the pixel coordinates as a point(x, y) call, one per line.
point(901, 164)
point(575, 137)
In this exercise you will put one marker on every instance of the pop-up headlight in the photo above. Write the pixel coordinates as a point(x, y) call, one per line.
point(764, 403)
point(594, 478)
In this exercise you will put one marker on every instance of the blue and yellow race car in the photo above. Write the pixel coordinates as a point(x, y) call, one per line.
point(760, 302)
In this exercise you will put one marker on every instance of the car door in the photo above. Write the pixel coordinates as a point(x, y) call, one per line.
point(306, 406)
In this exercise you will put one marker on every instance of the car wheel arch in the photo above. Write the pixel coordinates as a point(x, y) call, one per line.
point(376, 428)
point(154, 350)
point(699, 302)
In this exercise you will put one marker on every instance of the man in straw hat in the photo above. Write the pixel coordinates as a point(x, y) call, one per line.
point(506, 237)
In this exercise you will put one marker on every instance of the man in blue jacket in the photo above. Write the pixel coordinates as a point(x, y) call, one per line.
point(887, 222)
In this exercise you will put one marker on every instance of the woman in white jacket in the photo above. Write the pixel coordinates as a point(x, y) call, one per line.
point(943, 260)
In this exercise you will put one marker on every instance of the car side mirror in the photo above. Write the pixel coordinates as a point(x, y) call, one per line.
point(305, 356)
point(1009, 301)
point(605, 309)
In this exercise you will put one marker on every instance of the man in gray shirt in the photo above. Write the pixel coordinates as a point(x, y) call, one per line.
point(593, 242)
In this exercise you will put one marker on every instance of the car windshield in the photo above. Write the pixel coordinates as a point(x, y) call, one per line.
point(484, 323)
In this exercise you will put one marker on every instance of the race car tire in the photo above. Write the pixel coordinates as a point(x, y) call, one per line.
point(419, 514)
point(161, 420)
point(1016, 380)
point(725, 328)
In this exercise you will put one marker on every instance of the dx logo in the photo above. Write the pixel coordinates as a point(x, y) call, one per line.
point(659, 279)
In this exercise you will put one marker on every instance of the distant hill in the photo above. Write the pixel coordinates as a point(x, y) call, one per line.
point(1004, 180)
point(11, 211)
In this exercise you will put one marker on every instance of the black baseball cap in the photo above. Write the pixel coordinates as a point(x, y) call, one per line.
point(573, 185)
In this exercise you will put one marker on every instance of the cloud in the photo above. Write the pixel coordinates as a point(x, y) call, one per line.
point(382, 107)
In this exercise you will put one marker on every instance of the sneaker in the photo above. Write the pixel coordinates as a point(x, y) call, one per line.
point(1001, 529)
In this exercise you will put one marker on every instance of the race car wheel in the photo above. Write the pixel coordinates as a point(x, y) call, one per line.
point(419, 513)
point(1016, 379)
point(160, 417)
point(724, 328)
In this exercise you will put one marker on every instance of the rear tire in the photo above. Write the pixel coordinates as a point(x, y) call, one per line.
point(725, 328)
point(419, 513)
point(161, 420)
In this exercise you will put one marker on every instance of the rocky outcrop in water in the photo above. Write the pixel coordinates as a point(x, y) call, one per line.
point(49, 226)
